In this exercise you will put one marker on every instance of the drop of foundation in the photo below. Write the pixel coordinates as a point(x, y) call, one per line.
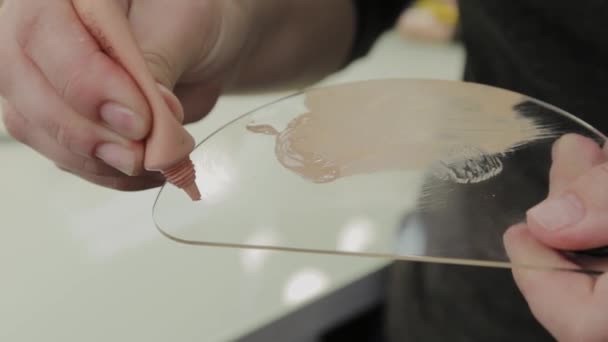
point(458, 131)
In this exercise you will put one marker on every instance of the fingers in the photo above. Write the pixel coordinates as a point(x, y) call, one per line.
point(560, 300)
point(68, 131)
point(34, 137)
point(86, 78)
point(572, 155)
point(57, 131)
point(575, 215)
point(33, 97)
point(95, 171)
point(71, 101)
point(74, 104)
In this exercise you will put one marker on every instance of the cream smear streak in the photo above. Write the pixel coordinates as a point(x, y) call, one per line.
point(457, 130)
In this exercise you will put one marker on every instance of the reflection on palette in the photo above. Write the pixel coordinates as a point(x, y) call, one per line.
point(406, 169)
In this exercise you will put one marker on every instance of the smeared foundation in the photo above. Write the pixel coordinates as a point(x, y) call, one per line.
point(457, 130)
point(467, 164)
point(263, 129)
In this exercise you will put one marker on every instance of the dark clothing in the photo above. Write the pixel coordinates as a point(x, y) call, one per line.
point(555, 51)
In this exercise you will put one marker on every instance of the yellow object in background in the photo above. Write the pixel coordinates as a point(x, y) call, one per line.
point(430, 20)
point(444, 11)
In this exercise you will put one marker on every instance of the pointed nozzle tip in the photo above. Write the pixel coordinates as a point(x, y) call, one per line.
point(193, 192)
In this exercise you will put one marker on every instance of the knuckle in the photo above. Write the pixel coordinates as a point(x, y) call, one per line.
point(27, 28)
point(68, 134)
point(82, 80)
point(162, 67)
point(72, 85)
point(61, 133)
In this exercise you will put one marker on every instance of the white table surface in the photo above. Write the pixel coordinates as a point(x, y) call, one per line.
point(82, 263)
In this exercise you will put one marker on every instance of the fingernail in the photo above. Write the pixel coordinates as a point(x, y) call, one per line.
point(121, 119)
point(558, 213)
point(118, 157)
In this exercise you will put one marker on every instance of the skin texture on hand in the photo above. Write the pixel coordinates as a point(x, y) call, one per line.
point(168, 142)
point(66, 99)
point(70, 102)
point(572, 306)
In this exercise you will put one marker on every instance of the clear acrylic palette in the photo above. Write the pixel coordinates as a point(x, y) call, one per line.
point(422, 170)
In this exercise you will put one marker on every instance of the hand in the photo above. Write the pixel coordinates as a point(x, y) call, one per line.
point(70, 102)
point(572, 306)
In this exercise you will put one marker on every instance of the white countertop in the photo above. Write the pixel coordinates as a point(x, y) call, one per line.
point(82, 263)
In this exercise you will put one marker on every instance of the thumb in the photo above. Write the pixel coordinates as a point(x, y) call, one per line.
point(572, 155)
point(575, 217)
point(162, 34)
point(173, 40)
